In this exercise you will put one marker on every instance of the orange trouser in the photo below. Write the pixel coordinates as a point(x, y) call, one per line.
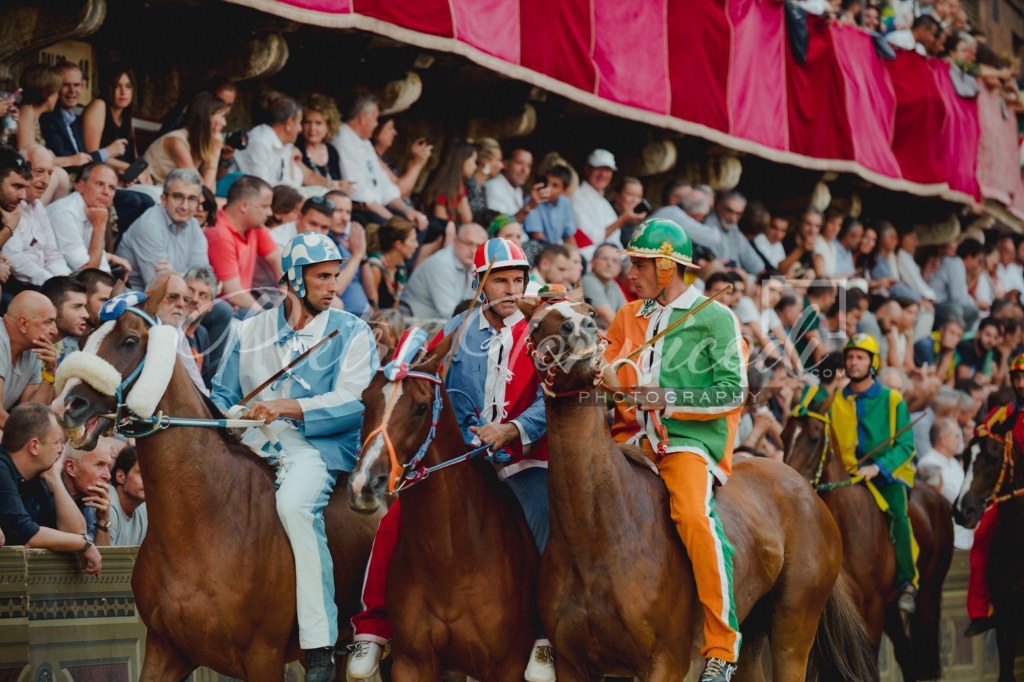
point(689, 480)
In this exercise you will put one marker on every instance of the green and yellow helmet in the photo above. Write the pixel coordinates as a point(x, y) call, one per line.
point(866, 343)
point(667, 242)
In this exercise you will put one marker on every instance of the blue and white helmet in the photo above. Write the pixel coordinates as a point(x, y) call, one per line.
point(306, 249)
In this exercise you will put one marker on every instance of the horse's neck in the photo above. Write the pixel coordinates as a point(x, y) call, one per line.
point(836, 471)
point(184, 463)
point(584, 472)
point(448, 499)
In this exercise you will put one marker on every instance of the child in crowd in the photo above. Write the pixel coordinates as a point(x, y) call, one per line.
point(552, 220)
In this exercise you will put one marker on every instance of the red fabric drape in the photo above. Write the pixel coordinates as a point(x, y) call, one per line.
point(556, 40)
point(433, 17)
point(475, 21)
point(698, 61)
point(818, 123)
point(920, 119)
point(998, 163)
point(620, 28)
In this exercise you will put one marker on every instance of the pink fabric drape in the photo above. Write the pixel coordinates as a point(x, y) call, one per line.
point(960, 146)
point(870, 100)
point(757, 80)
point(727, 66)
point(998, 163)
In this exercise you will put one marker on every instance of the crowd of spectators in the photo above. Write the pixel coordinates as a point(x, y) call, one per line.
point(205, 224)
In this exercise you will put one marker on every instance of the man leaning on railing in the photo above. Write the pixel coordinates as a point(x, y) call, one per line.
point(36, 509)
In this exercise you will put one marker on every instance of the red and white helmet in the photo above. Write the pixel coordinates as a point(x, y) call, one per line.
point(506, 254)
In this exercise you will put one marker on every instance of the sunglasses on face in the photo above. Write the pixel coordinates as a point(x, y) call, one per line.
point(322, 201)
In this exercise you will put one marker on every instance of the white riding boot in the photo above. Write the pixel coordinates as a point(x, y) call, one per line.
point(542, 664)
point(364, 660)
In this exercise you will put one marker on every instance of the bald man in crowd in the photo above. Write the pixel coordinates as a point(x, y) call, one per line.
point(28, 358)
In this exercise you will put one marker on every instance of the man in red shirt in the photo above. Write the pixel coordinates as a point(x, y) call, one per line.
point(238, 237)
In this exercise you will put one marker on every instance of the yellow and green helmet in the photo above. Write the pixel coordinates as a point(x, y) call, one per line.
point(866, 343)
point(667, 242)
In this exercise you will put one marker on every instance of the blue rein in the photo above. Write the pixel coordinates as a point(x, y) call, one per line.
point(413, 472)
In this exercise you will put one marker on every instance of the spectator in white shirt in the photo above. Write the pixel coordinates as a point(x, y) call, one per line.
point(909, 270)
point(167, 236)
point(173, 310)
point(769, 242)
point(594, 215)
point(1009, 272)
point(504, 193)
point(317, 215)
point(444, 280)
point(692, 210)
point(922, 36)
point(271, 149)
point(940, 469)
point(32, 249)
point(361, 165)
point(79, 220)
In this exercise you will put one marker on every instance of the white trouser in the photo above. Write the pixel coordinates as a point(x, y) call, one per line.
point(301, 501)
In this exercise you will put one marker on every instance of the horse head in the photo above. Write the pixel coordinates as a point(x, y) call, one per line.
point(565, 342)
point(985, 460)
point(805, 441)
point(89, 380)
point(396, 422)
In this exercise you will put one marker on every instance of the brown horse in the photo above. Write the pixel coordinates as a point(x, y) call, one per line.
point(985, 483)
point(462, 579)
point(215, 577)
point(616, 591)
point(869, 559)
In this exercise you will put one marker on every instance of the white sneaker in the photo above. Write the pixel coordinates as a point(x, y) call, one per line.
point(363, 660)
point(542, 665)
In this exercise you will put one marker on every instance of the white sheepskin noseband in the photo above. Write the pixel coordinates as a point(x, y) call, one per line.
point(161, 354)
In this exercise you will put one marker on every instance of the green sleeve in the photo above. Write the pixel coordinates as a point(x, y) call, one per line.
point(903, 449)
point(718, 387)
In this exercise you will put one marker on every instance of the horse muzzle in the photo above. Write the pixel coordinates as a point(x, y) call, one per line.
point(82, 422)
point(967, 513)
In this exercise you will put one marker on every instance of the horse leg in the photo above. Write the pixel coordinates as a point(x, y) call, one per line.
point(1007, 631)
point(405, 669)
point(902, 647)
point(748, 667)
point(164, 662)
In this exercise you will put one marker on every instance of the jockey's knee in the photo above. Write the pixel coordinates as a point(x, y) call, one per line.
point(293, 509)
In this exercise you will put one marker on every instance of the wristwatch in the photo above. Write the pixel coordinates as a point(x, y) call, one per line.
point(88, 544)
point(105, 528)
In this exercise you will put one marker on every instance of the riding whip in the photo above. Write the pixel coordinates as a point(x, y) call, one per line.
point(657, 337)
point(889, 440)
point(462, 329)
point(256, 391)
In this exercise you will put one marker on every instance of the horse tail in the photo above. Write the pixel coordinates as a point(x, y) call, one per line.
point(842, 650)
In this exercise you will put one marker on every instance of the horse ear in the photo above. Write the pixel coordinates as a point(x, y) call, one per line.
point(154, 297)
point(435, 356)
point(576, 295)
point(118, 289)
point(827, 403)
point(382, 334)
point(528, 305)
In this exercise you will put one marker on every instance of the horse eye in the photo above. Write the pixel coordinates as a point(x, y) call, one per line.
point(421, 409)
point(131, 341)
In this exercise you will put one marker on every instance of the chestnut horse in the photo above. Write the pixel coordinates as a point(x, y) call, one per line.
point(995, 475)
point(869, 559)
point(215, 577)
point(461, 586)
point(616, 591)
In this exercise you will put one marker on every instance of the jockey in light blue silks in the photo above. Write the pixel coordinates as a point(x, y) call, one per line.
point(316, 413)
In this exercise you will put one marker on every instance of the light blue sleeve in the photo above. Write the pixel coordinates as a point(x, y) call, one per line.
point(227, 391)
point(534, 420)
point(749, 259)
point(570, 220)
point(341, 409)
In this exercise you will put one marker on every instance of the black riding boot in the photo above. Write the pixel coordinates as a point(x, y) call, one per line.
point(717, 670)
point(320, 665)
